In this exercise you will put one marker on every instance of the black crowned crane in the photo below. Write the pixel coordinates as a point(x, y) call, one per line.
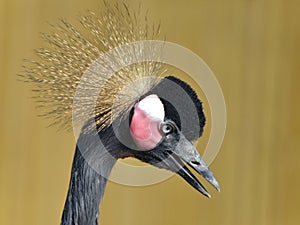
point(132, 114)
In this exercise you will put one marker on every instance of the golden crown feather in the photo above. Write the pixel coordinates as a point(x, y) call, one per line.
point(71, 52)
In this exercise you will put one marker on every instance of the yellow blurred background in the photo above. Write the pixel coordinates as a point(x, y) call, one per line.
point(253, 48)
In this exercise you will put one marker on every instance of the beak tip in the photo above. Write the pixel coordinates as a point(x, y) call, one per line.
point(216, 185)
point(211, 179)
point(204, 192)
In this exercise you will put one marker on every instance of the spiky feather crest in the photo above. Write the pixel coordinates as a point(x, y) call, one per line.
point(72, 53)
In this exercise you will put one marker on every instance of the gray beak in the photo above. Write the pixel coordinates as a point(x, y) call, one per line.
point(176, 159)
point(187, 152)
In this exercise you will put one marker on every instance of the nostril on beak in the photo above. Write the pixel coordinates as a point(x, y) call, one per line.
point(195, 163)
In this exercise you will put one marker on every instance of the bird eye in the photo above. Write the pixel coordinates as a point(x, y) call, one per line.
point(167, 128)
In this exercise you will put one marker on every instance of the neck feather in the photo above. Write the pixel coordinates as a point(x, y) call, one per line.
point(92, 165)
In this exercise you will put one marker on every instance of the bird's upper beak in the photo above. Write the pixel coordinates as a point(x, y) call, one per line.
point(186, 152)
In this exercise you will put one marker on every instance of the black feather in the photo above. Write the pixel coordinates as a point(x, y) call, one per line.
point(182, 105)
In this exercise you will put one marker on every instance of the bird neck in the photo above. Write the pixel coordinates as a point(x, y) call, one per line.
point(90, 170)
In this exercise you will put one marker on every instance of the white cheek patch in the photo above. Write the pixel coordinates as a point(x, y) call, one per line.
point(152, 107)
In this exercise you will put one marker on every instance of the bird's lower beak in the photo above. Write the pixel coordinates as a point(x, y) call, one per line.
point(175, 160)
point(187, 152)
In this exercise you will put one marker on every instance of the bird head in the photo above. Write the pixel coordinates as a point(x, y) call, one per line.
point(155, 130)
